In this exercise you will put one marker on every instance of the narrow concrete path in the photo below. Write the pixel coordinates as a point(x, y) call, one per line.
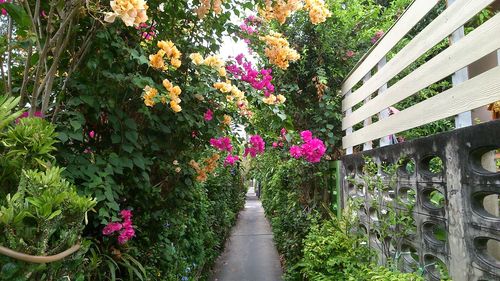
point(250, 254)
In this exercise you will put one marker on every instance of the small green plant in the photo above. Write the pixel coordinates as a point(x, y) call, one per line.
point(394, 220)
point(44, 217)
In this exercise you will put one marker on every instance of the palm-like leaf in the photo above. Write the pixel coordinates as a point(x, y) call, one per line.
point(7, 105)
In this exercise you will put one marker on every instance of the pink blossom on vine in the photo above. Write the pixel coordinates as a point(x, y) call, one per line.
point(313, 150)
point(91, 134)
point(4, 11)
point(257, 146)
point(125, 228)
point(295, 152)
point(126, 235)
point(231, 160)
point(111, 228)
point(37, 114)
point(209, 115)
point(306, 135)
point(377, 36)
point(223, 144)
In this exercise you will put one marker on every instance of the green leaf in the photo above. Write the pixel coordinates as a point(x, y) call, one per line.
point(18, 14)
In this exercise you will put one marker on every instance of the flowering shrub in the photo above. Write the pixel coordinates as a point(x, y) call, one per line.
point(257, 146)
point(125, 229)
point(278, 50)
point(311, 150)
point(282, 9)
point(223, 144)
point(131, 12)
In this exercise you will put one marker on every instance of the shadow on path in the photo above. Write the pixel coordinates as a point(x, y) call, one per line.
point(250, 254)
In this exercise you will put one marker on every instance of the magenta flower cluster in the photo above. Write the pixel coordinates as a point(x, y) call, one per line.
point(260, 80)
point(377, 36)
point(311, 150)
point(222, 143)
point(231, 160)
point(250, 25)
point(4, 12)
point(148, 32)
point(125, 228)
point(209, 115)
point(37, 114)
point(257, 146)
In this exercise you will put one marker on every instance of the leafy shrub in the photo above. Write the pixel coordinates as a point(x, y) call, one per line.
point(332, 251)
point(335, 250)
point(44, 217)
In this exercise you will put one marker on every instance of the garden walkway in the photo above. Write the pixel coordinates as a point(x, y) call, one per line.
point(250, 254)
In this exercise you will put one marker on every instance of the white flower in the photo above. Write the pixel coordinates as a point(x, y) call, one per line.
point(161, 7)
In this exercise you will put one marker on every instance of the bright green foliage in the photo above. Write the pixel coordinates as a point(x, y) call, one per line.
point(385, 274)
point(44, 217)
point(7, 105)
point(334, 250)
point(292, 201)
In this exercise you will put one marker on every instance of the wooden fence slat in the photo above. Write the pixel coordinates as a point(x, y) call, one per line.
point(471, 48)
point(384, 141)
point(368, 121)
point(476, 92)
point(448, 21)
point(349, 150)
point(408, 20)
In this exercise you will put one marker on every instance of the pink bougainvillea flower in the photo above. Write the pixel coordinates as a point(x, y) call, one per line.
point(91, 134)
point(295, 152)
point(111, 228)
point(313, 150)
point(126, 235)
point(275, 144)
point(306, 135)
point(38, 114)
point(125, 228)
point(377, 36)
point(257, 146)
point(350, 54)
point(126, 214)
point(231, 160)
point(209, 115)
point(4, 12)
point(223, 144)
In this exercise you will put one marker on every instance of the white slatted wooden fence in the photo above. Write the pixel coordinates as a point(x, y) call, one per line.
point(360, 106)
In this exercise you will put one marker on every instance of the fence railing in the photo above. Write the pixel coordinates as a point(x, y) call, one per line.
point(367, 95)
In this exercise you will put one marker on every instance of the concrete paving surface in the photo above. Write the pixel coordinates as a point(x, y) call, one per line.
point(250, 254)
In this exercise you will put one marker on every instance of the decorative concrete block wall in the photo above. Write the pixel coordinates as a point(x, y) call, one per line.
point(469, 251)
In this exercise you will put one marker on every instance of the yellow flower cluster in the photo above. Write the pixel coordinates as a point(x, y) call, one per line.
point(211, 165)
point(227, 120)
point(318, 12)
point(132, 12)
point(234, 95)
point(272, 99)
point(205, 5)
point(282, 9)
point(168, 50)
point(211, 61)
point(174, 93)
point(150, 94)
point(278, 50)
